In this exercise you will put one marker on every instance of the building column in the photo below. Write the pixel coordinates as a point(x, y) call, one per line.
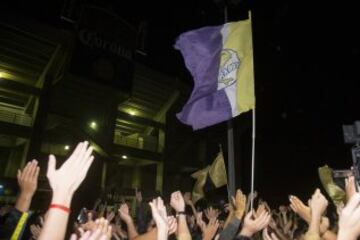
point(39, 122)
point(161, 140)
point(159, 177)
point(103, 176)
point(136, 177)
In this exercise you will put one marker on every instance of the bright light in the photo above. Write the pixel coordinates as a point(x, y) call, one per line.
point(132, 112)
point(67, 147)
point(93, 125)
point(1, 186)
point(1, 74)
point(124, 157)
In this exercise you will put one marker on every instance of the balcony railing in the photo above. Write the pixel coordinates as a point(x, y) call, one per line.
point(11, 117)
point(148, 143)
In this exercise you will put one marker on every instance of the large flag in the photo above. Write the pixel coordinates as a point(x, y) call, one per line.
point(210, 177)
point(220, 59)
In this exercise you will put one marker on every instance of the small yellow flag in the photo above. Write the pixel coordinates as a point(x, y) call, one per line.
point(217, 171)
point(198, 191)
point(336, 194)
point(217, 174)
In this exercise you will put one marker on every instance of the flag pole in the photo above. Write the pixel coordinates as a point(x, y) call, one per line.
point(253, 137)
point(230, 141)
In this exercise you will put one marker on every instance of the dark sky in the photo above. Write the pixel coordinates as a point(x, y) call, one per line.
point(307, 77)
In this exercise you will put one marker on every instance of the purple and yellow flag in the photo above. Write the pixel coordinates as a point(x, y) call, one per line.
point(220, 59)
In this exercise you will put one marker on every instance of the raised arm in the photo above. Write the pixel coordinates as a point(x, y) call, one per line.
point(27, 180)
point(125, 216)
point(64, 182)
point(178, 204)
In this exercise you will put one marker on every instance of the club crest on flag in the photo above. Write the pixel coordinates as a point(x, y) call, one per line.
point(229, 65)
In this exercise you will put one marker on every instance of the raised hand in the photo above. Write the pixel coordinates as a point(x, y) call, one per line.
point(210, 230)
point(27, 180)
point(159, 214)
point(239, 203)
point(35, 231)
point(318, 203)
point(172, 223)
point(300, 208)
point(324, 225)
point(177, 201)
point(267, 236)
point(350, 187)
point(212, 213)
point(253, 225)
point(124, 213)
point(187, 198)
point(200, 222)
point(260, 209)
point(66, 180)
point(110, 216)
point(349, 223)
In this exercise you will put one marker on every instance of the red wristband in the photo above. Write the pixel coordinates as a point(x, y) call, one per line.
point(61, 207)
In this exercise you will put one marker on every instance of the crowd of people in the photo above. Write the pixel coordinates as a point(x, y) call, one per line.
point(179, 218)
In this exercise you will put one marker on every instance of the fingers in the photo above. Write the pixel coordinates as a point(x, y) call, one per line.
point(274, 237)
point(265, 234)
point(32, 169)
point(172, 223)
point(233, 200)
point(51, 166)
point(84, 155)
point(18, 175)
point(37, 172)
point(77, 151)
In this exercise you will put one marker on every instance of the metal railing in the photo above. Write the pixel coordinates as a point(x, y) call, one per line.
point(148, 143)
point(11, 117)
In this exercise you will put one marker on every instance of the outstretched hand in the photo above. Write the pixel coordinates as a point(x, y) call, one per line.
point(212, 213)
point(66, 180)
point(254, 224)
point(124, 213)
point(159, 214)
point(177, 201)
point(240, 204)
point(267, 236)
point(300, 208)
point(350, 188)
point(28, 178)
point(318, 204)
point(349, 223)
point(210, 230)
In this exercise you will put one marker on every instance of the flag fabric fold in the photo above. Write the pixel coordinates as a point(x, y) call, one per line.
point(220, 59)
point(209, 178)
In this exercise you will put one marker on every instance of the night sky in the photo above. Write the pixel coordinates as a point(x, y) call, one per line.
point(306, 74)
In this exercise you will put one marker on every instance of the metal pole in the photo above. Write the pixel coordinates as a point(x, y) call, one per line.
point(230, 141)
point(231, 164)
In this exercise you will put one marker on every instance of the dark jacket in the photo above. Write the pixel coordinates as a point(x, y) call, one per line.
point(13, 225)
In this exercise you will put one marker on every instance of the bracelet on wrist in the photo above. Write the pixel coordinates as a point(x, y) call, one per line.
point(180, 213)
point(60, 207)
